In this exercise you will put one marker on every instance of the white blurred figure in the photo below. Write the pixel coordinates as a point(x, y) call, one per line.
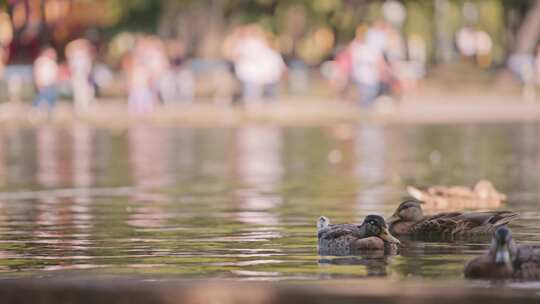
point(79, 54)
point(141, 98)
point(156, 61)
point(522, 65)
point(46, 78)
point(367, 63)
point(257, 65)
point(143, 67)
point(475, 43)
point(466, 41)
point(376, 36)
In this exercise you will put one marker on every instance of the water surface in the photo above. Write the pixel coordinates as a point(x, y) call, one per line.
point(241, 203)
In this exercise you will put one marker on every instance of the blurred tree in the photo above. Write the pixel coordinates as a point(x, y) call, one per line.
point(300, 25)
point(528, 33)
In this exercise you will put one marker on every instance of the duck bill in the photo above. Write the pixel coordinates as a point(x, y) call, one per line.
point(385, 235)
point(502, 256)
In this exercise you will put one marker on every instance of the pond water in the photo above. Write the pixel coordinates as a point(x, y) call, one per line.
point(242, 202)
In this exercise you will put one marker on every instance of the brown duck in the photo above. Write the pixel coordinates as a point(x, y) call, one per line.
point(349, 239)
point(482, 195)
point(409, 219)
point(505, 259)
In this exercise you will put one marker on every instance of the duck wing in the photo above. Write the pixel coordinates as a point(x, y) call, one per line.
point(527, 262)
point(438, 223)
point(462, 223)
point(484, 222)
point(338, 230)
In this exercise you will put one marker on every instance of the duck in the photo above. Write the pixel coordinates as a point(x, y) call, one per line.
point(505, 259)
point(409, 219)
point(350, 239)
point(482, 195)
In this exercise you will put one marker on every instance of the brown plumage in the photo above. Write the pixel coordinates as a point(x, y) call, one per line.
point(349, 239)
point(409, 219)
point(482, 195)
point(505, 259)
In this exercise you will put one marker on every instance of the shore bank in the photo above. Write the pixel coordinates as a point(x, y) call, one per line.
point(288, 112)
point(107, 290)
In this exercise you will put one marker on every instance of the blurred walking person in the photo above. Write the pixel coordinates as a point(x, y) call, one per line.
point(257, 65)
point(46, 78)
point(79, 55)
point(177, 83)
point(3, 83)
point(140, 66)
point(367, 64)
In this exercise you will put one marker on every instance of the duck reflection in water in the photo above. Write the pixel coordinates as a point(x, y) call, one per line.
point(375, 263)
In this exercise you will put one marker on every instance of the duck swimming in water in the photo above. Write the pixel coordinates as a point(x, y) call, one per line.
point(505, 259)
point(349, 239)
point(482, 195)
point(409, 219)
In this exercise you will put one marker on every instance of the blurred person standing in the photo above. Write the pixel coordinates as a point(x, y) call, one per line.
point(2, 61)
point(140, 67)
point(416, 68)
point(46, 78)
point(2, 70)
point(79, 55)
point(155, 60)
point(367, 64)
point(257, 65)
point(178, 83)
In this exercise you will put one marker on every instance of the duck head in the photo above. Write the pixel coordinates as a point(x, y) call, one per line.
point(375, 225)
point(503, 249)
point(408, 211)
point(322, 223)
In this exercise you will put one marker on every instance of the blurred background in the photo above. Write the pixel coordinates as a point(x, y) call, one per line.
point(166, 139)
point(225, 51)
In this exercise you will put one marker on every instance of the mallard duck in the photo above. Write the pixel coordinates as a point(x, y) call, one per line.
point(505, 259)
point(409, 219)
point(482, 195)
point(347, 239)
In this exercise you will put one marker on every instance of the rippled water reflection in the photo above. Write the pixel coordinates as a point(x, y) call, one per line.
point(242, 202)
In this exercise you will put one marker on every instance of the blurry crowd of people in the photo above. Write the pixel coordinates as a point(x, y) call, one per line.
point(157, 71)
point(380, 60)
point(376, 62)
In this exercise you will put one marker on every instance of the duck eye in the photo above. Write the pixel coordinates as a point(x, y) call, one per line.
point(372, 222)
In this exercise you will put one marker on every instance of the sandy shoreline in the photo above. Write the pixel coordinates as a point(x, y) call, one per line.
point(287, 112)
